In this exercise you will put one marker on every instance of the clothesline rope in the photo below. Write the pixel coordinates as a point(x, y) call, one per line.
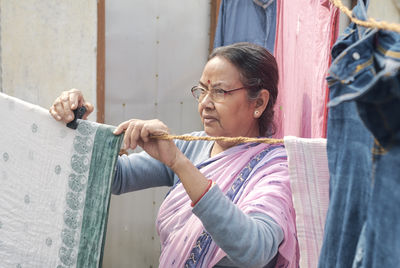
point(227, 139)
point(370, 23)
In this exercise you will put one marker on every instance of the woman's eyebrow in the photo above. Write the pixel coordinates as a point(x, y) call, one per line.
point(202, 84)
point(212, 85)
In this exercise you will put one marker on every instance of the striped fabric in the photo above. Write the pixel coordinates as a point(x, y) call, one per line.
point(309, 180)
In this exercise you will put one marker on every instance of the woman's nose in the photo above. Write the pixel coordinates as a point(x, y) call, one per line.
point(207, 102)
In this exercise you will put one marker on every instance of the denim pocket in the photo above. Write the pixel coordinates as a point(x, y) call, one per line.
point(352, 87)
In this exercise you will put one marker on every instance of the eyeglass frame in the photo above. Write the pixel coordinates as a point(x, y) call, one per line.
point(223, 90)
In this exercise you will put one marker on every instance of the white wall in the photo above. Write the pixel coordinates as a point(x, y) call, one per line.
point(343, 19)
point(48, 46)
point(381, 10)
point(387, 10)
point(155, 52)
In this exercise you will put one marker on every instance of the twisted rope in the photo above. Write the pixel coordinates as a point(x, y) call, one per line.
point(370, 23)
point(227, 139)
point(206, 138)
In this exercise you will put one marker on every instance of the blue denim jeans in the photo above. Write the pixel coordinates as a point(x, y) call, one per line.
point(364, 149)
point(378, 104)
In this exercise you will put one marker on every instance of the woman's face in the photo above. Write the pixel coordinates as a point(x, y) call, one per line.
point(233, 116)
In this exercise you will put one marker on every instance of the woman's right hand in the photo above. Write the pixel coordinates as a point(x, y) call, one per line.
point(63, 106)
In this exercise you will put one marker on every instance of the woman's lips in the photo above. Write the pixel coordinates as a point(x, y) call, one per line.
point(208, 119)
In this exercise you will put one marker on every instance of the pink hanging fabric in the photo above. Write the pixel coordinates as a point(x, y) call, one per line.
point(306, 30)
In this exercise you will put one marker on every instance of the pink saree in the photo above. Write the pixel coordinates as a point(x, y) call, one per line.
point(255, 177)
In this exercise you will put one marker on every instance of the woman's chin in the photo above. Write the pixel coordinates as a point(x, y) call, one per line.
point(211, 132)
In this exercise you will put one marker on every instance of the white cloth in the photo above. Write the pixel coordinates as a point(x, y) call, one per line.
point(48, 207)
point(309, 180)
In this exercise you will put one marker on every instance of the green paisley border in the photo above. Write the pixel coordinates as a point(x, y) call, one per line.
point(94, 220)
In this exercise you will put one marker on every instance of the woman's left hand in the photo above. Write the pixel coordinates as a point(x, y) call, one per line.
point(138, 132)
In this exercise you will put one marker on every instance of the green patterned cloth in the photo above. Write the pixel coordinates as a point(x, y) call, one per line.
point(54, 188)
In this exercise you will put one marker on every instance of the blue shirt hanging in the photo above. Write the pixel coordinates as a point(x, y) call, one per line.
point(247, 21)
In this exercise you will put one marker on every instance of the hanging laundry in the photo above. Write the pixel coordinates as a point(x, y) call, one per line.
point(364, 149)
point(54, 188)
point(246, 21)
point(305, 33)
point(309, 181)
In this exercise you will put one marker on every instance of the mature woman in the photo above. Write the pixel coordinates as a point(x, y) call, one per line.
point(230, 204)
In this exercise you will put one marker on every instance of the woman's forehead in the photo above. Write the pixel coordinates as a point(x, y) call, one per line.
point(220, 72)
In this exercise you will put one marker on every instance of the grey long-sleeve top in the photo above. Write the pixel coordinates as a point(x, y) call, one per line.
point(260, 236)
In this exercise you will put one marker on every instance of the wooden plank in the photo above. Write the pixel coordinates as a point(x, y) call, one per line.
point(214, 11)
point(101, 61)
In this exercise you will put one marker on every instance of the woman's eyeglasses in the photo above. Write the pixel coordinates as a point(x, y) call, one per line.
point(216, 94)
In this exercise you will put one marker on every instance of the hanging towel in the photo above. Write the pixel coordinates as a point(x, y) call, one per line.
point(54, 188)
point(309, 180)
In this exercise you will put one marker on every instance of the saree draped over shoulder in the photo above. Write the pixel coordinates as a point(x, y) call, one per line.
point(54, 188)
point(255, 178)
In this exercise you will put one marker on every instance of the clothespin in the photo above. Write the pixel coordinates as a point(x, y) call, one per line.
point(78, 114)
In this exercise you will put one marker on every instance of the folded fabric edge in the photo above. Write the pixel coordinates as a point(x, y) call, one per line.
point(105, 151)
point(288, 139)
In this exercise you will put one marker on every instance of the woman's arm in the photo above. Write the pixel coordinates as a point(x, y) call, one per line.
point(140, 171)
point(139, 132)
point(134, 172)
point(248, 240)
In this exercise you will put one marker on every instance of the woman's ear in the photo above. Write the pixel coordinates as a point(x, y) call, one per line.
point(261, 103)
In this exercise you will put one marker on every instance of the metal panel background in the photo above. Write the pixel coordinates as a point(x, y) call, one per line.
point(47, 47)
point(155, 52)
point(387, 10)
